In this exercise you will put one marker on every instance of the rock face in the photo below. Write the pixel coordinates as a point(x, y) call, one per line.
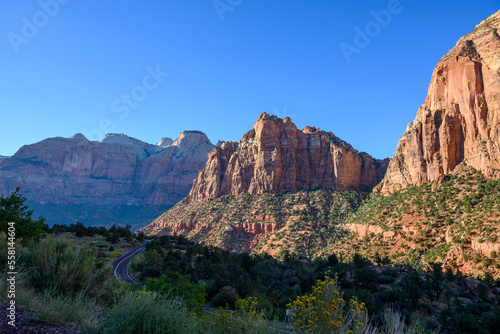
point(459, 121)
point(275, 156)
point(118, 170)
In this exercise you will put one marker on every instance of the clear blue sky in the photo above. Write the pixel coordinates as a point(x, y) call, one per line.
point(71, 71)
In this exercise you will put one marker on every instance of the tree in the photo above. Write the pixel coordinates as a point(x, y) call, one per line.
point(14, 210)
point(434, 281)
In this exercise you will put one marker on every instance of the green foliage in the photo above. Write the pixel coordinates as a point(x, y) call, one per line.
point(52, 307)
point(65, 268)
point(13, 209)
point(434, 281)
point(193, 294)
point(148, 313)
point(246, 319)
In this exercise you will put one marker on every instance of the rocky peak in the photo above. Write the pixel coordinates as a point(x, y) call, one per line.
point(139, 146)
point(165, 142)
point(219, 143)
point(188, 139)
point(275, 156)
point(459, 122)
point(79, 136)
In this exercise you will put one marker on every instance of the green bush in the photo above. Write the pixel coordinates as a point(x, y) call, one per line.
point(55, 308)
point(148, 313)
point(246, 319)
point(69, 269)
point(193, 294)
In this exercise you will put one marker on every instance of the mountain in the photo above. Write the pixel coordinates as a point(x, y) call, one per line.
point(69, 179)
point(440, 198)
point(459, 122)
point(275, 156)
point(438, 201)
point(261, 184)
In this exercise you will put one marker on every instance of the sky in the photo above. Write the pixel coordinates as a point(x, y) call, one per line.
point(152, 69)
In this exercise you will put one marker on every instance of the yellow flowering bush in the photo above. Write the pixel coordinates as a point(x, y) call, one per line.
point(326, 311)
point(246, 319)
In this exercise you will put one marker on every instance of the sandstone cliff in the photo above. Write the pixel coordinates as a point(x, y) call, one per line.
point(275, 156)
point(459, 121)
point(117, 171)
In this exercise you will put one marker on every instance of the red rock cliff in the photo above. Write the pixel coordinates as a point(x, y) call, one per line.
point(276, 156)
point(460, 118)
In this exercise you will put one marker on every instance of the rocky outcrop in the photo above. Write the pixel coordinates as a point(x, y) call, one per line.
point(459, 122)
point(275, 156)
point(187, 228)
point(117, 171)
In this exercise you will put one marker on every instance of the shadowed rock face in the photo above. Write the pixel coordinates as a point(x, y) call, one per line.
point(459, 121)
point(118, 170)
point(275, 156)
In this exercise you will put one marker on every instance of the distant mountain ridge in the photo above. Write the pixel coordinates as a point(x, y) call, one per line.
point(117, 171)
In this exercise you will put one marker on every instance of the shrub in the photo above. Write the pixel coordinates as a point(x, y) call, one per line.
point(325, 311)
point(193, 294)
point(151, 313)
point(56, 264)
point(246, 319)
point(226, 297)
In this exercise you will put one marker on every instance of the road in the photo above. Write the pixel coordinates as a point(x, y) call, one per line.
point(120, 265)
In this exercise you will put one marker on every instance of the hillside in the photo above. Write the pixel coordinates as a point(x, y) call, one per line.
point(454, 220)
point(302, 223)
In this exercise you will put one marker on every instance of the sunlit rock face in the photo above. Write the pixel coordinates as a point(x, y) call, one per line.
point(275, 156)
point(459, 121)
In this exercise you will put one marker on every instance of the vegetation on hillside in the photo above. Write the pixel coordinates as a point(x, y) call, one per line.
point(307, 220)
point(455, 221)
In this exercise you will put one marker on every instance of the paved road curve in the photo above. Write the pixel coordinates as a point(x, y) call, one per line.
point(120, 265)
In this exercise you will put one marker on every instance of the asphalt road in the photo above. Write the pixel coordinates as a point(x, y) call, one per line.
point(120, 265)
